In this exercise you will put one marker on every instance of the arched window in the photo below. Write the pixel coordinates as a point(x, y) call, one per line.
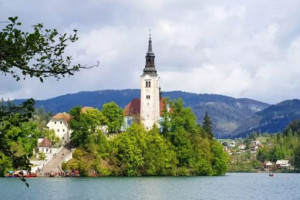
point(148, 84)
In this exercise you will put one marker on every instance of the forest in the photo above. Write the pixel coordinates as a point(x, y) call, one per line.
point(180, 147)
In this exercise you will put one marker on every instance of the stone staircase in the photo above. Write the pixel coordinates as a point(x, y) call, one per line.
point(54, 165)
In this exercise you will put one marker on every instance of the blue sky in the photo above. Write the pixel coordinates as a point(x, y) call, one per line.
point(243, 49)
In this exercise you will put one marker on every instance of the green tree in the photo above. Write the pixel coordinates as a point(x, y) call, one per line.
point(183, 147)
point(5, 164)
point(114, 117)
point(160, 156)
point(220, 159)
point(128, 151)
point(294, 126)
point(85, 125)
point(41, 117)
point(207, 126)
point(263, 154)
point(38, 54)
point(79, 125)
point(276, 154)
point(50, 134)
point(297, 158)
point(202, 156)
point(178, 118)
point(17, 135)
point(42, 156)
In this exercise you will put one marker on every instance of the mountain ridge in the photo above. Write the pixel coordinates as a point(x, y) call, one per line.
point(231, 117)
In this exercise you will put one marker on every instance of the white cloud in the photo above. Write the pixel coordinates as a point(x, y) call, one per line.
point(246, 49)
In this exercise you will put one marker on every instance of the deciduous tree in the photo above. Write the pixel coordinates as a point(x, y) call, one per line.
point(114, 116)
point(35, 54)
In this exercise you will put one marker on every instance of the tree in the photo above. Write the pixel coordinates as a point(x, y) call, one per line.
point(297, 158)
point(263, 154)
point(37, 54)
point(178, 118)
point(207, 126)
point(114, 116)
point(220, 159)
point(41, 117)
point(12, 119)
point(160, 156)
point(85, 125)
point(294, 126)
point(50, 134)
point(128, 151)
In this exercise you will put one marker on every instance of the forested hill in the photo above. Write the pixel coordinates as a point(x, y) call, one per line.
point(231, 117)
point(273, 119)
point(227, 113)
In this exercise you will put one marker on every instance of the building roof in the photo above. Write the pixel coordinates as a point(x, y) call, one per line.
point(282, 162)
point(268, 163)
point(64, 116)
point(45, 143)
point(85, 108)
point(134, 107)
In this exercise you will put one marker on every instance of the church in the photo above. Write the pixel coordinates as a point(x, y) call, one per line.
point(148, 108)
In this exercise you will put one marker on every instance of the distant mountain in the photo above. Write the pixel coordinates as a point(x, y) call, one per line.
point(228, 114)
point(273, 119)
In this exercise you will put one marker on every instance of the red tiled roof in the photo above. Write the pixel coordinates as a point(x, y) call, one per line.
point(64, 116)
point(45, 143)
point(85, 108)
point(133, 108)
point(161, 106)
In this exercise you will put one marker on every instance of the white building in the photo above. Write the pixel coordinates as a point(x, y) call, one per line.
point(150, 91)
point(44, 146)
point(282, 163)
point(148, 107)
point(60, 124)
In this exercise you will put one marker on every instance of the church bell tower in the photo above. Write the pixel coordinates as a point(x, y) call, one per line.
point(150, 91)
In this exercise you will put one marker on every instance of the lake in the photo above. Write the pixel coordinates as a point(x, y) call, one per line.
point(231, 186)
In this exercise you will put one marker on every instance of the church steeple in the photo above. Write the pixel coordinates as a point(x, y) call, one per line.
point(150, 44)
point(150, 59)
point(150, 102)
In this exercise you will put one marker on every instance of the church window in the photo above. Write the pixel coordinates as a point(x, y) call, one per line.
point(148, 84)
point(60, 122)
point(54, 122)
point(57, 130)
point(147, 96)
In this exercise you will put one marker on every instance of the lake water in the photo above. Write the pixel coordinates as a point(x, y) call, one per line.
point(231, 186)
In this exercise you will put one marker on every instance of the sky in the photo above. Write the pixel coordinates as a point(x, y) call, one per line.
point(243, 49)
